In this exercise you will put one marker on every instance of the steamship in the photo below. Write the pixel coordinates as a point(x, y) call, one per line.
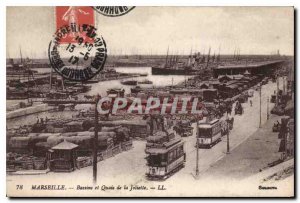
point(195, 65)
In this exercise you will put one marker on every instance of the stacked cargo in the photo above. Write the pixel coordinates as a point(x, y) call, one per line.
point(16, 162)
point(38, 144)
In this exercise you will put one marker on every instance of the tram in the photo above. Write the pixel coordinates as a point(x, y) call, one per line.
point(209, 133)
point(165, 156)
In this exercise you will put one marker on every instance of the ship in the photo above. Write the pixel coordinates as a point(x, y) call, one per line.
point(195, 65)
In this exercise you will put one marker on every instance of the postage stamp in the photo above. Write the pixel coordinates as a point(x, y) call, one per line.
point(113, 11)
point(76, 52)
point(72, 16)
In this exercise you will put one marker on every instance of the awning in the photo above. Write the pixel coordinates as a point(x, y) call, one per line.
point(65, 146)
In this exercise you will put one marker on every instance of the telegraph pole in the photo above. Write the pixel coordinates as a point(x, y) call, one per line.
point(277, 91)
point(283, 84)
point(227, 121)
point(260, 105)
point(197, 155)
point(268, 114)
point(95, 147)
point(285, 143)
point(51, 78)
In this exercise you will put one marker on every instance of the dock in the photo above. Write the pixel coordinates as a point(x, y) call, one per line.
point(254, 68)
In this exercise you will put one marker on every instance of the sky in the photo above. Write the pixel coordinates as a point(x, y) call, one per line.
point(150, 30)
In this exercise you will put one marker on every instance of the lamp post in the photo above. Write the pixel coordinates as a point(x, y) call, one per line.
point(95, 146)
point(197, 152)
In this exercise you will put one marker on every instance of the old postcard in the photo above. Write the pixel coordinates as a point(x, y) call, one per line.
point(124, 101)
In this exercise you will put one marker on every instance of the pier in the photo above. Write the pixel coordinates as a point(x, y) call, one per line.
point(265, 67)
point(67, 101)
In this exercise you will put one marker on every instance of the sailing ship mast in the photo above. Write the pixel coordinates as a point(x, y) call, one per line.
point(190, 57)
point(167, 57)
point(24, 73)
point(208, 57)
point(238, 54)
point(234, 55)
point(218, 57)
point(21, 56)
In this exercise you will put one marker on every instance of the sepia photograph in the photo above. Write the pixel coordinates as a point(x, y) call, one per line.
point(156, 101)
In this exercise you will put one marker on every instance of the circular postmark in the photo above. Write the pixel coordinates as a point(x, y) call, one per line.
point(113, 11)
point(79, 58)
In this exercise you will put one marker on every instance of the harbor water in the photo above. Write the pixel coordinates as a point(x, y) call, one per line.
point(98, 88)
point(158, 80)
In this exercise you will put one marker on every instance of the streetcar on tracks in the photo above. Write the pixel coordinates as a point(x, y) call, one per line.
point(209, 133)
point(165, 156)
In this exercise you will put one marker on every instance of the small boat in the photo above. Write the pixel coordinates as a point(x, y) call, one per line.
point(115, 92)
point(129, 82)
point(80, 88)
point(136, 89)
point(147, 82)
point(143, 74)
point(92, 81)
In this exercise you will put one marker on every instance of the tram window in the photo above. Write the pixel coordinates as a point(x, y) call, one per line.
point(163, 157)
point(171, 156)
point(154, 160)
point(205, 132)
point(180, 151)
point(216, 129)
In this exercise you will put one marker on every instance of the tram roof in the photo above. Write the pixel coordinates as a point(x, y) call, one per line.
point(205, 126)
point(172, 142)
point(209, 124)
point(214, 121)
point(163, 150)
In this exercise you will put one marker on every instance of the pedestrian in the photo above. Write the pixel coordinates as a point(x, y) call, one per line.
point(250, 102)
point(278, 123)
